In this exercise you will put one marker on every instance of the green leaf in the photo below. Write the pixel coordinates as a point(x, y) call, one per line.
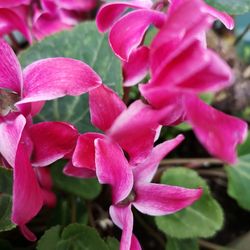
point(113, 243)
point(244, 148)
point(203, 219)
point(84, 188)
point(239, 181)
point(5, 213)
point(50, 239)
point(175, 244)
point(5, 200)
point(231, 6)
point(84, 43)
point(80, 237)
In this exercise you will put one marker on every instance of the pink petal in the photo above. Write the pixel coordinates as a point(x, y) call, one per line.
point(10, 21)
point(12, 3)
point(27, 233)
point(36, 107)
point(135, 129)
point(27, 195)
point(71, 170)
point(218, 132)
point(86, 5)
point(128, 32)
point(56, 77)
point(122, 216)
point(105, 105)
point(136, 68)
point(10, 69)
point(46, 24)
point(112, 168)
point(110, 12)
point(146, 170)
point(44, 177)
point(159, 199)
point(51, 141)
point(84, 153)
point(11, 129)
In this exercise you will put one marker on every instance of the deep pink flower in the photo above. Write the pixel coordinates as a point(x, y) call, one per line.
point(22, 95)
point(131, 186)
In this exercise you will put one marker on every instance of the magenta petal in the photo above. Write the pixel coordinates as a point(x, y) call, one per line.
point(145, 171)
point(135, 129)
point(56, 77)
point(12, 3)
point(11, 21)
point(159, 199)
point(127, 33)
point(27, 195)
point(122, 216)
point(85, 5)
point(10, 69)
point(52, 141)
point(105, 105)
point(84, 153)
point(218, 132)
point(11, 130)
point(110, 12)
point(136, 68)
point(112, 168)
point(27, 233)
point(71, 170)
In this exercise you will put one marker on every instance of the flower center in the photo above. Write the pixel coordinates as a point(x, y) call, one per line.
point(130, 198)
point(8, 99)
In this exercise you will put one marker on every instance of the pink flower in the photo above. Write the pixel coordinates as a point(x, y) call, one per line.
point(22, 95)
point(131, 186)
point(181, 67)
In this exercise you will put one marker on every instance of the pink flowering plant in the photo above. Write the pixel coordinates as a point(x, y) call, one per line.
point(111, 135)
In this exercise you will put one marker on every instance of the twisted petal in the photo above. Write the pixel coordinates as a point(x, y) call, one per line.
point(105, 105)
point(11, 129)
point(218, 132)
point(112, 168)
point(136, 68)
point(10, 69)
point(56, 77)
point(127, 33)
point(159, 199)
point(27, 195)
point(12, 3)
point(110, 12)
point(145, 171)
point(123, 218)
point(135, 129)
point(71, 170)
point(84, 153)
point(51, 141)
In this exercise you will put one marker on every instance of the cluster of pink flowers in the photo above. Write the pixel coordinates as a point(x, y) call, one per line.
point(35, 19)
point(124, 156)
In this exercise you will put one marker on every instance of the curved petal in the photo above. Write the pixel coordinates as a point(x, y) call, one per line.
point(11, 129)
point(112, 168)
point(110, 12)
point(86, 5)
point(10, 21)
point(135, 129)
point(127, 33)
point(159, 199)
point(36, 107)
point(123, 218)
point(218, 132)
point(146, 170)
point(84, 153)
point(10, 69)
point(105, 105)
point(136, 68)
point(56, 77)
point(51, 141)
point(71, 170)
point(27, 195)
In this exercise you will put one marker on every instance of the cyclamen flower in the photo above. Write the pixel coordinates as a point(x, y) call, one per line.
point(131, 186)
point(23, 95)
point(181, 67)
